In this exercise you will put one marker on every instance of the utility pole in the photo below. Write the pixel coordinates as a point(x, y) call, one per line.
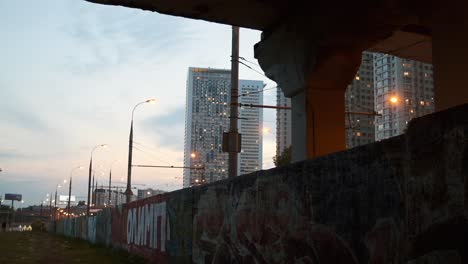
point(232, 139)
point(110, 179)
point(128, 191)
point(50, 206)
point(69, 196)
point(55, 205)
point(92, 191)
point(88, 205)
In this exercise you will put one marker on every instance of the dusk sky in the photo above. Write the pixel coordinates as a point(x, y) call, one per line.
point(71, 72)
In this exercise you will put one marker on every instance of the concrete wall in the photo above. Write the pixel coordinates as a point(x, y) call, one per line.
point(402, 200)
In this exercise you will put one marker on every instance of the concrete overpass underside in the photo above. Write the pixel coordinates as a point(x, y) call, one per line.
point(312, 49)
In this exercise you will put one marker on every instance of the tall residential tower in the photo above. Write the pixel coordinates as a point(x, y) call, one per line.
point(207, 117)
point(359, 101)
point(404, 89)
point(283, 122)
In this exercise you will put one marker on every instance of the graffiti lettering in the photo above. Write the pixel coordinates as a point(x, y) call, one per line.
point(148, 226)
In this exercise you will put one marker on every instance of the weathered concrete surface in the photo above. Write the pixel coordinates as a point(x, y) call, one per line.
point(402, 200)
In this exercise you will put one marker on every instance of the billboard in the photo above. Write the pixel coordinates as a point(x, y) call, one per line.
point(13, 197)
point(64, 198)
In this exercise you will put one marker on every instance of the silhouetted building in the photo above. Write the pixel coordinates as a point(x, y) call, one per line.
point(101, 197)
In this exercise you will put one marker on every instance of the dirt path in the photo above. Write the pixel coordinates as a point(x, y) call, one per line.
point(28, 247)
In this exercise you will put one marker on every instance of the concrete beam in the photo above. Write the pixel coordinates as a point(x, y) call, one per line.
point(315, 77)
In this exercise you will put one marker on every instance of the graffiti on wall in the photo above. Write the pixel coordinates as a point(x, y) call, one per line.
point(148, 226)
point(404, 200)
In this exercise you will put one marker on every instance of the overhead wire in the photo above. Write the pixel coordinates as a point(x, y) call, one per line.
point(261, 73)
point(259, 91)
point(152, 156)
point(152, 150)
point(253, 63)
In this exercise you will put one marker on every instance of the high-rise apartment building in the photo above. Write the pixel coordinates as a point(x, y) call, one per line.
point(207, 117)
point(283, 122)
point(359, 105)
point(250, 126)
point(404, 89)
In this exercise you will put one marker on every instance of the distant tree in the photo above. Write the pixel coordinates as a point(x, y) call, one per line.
point(284, 158)
point(81, 203)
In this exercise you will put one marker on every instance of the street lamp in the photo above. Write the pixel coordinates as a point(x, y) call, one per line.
point(70, 186)
point(393, 99)
point(128, 191)
point(89, 175)
point(55, 201)
point(110, 179)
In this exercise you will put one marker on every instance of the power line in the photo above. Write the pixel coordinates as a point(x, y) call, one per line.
point(259, 91)
point(253, 63)
point(261, 73)
point(152, 149)
point(150, 155)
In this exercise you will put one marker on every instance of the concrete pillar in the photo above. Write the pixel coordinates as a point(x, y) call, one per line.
point(450, 54)
point(325, 121)
point(299, 127)
point(315, 79)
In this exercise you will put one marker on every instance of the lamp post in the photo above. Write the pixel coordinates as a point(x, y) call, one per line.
point(70, 187)
point(110, 179)
point(89, 175)
point(55, 201)
point(128, 191)
point(22, 202)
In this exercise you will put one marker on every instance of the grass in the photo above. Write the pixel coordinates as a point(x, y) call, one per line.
point(31, 247)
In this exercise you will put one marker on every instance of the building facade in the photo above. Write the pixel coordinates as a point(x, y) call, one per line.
point(404, 89)
point(283, 122)
point(359, 105)
point(250, 126)
point(207, 117)
point(101, 197)
point(145, 193)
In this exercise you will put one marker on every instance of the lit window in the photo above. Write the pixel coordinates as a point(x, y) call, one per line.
point(358, 134)
point(421, 103)
point(357, 78)
point(406, 73)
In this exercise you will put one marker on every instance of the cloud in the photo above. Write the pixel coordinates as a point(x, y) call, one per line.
point(22, 119)
point(11, 154)
point(110, 37)
point(169, 128)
